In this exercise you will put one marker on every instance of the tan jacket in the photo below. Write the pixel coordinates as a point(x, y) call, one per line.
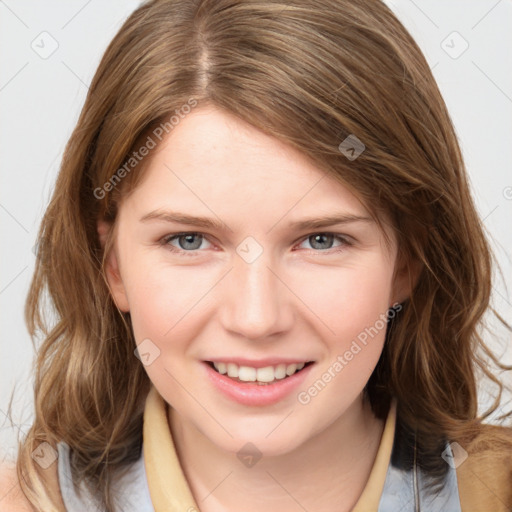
point(485, 477)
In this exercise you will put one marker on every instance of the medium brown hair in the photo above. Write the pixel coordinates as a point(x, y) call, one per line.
point(309, 73)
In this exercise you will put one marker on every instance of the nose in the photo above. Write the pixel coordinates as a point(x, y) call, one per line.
point(256, 302)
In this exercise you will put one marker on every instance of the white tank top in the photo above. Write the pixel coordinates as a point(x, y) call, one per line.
point(132, 486)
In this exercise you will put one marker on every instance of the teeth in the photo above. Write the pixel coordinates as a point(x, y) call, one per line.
point(290, 369)
point(266, 374)
point(221, 367)
point(232, 370)
point(249, 374)
point(280, 371)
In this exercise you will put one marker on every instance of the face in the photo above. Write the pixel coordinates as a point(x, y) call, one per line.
point(258, 289)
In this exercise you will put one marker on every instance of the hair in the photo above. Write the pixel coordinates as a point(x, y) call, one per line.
point(308, 73)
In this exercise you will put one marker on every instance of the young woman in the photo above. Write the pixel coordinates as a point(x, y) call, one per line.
point(268, 275)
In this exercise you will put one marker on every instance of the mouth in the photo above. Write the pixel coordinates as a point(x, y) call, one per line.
point(258, 376)
point(260, 385)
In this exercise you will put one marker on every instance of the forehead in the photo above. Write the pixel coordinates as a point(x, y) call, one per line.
point(212, 158)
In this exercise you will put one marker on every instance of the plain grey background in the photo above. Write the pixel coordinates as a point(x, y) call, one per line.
point(50, 52)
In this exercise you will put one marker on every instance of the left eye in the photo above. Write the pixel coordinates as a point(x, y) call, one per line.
point(320, 239)
point(187, 244)
point(185, 240)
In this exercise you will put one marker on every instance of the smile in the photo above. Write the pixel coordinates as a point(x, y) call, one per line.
point(265, 375)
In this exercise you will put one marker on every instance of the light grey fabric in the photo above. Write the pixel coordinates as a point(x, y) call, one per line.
point(405, 488)
point(132, 488)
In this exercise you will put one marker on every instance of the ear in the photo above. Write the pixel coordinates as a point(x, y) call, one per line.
point(405, 279)
point(112, 271)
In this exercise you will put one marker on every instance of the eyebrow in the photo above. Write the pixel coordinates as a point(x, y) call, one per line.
point(210, 223)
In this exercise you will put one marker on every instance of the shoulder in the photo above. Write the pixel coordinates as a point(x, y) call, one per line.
point(484, 469)
point(11, 495)
point(491, 442)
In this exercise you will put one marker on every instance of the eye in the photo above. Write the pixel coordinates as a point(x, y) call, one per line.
point(319, 241)
point(187, 242)
point(190, 243)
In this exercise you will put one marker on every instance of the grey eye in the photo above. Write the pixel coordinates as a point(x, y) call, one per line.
point(319, 240)
point(188, 242)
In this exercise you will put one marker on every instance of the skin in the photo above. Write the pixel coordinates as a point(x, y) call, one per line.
point(297, 299)
point(11, 494)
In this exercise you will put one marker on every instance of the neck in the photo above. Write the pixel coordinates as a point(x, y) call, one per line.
point(327, 472)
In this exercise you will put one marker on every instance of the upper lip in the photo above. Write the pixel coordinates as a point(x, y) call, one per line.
point(260, 363)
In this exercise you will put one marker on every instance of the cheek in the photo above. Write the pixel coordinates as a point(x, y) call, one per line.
point(347, 300)
point(162, 299)
point(164, 308)
point(350, 307)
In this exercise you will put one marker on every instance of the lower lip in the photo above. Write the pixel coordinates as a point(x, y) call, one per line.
point(253, 393)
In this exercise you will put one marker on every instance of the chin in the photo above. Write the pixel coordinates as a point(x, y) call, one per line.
point(273, 445)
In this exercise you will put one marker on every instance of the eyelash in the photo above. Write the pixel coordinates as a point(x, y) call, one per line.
point(165, 241)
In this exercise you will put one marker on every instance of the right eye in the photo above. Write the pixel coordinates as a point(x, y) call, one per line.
point(189, 242)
